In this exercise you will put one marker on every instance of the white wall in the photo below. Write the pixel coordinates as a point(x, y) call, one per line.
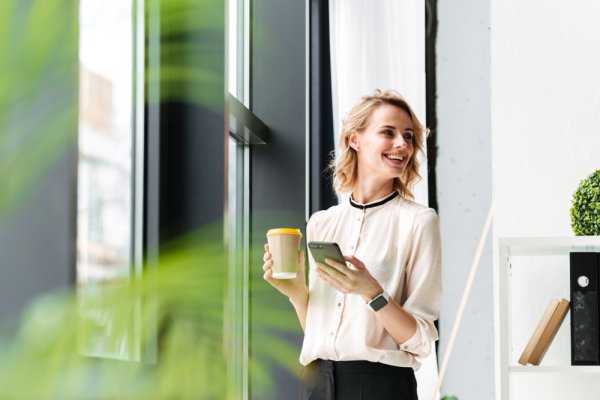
point(464, 191)
point(545, 138)
point(545, 110)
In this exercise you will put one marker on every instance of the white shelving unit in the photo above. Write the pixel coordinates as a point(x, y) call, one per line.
point(508, 251)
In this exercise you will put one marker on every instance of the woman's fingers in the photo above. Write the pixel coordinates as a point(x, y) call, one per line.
point(330, 279)
point(267, 265)
point(345, 279)
point(266, 256)
point(355, 262)
point(267, 274)
point(330, 271)
point(341, 268)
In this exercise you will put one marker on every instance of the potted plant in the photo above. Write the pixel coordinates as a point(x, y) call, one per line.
point(585, 211)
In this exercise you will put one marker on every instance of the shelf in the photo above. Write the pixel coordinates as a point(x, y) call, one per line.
point(549, 245)
point(517, 260)
point(576, 369)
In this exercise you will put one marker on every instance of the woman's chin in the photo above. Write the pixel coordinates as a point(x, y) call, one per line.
point(396, 170)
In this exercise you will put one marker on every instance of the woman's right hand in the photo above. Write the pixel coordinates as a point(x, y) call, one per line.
point(295, 288)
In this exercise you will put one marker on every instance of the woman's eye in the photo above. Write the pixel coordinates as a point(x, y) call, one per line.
point(388, 133)
point(408, 136)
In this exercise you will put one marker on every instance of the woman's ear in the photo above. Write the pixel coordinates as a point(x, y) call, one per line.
point(353, 140)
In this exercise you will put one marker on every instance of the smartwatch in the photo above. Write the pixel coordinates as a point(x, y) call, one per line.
point(379, 301)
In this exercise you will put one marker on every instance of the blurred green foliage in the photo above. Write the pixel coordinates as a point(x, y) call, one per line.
point(39, 76)
point(179, 308)
point(190, 66)
point(38, 91)
point(585, 211)
point(182, 305)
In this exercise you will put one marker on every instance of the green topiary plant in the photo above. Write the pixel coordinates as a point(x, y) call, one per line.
point(585, 212)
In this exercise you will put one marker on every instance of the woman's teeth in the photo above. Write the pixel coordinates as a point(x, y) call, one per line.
point(393, 157)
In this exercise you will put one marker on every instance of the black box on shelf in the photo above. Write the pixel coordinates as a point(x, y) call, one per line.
point(584, 307)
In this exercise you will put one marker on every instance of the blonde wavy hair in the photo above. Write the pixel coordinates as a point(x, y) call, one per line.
point(345, 168)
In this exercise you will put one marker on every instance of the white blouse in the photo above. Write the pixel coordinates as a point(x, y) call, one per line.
point(399, 243)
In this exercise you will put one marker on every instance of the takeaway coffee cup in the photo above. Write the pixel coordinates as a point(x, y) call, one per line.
point(284, 244)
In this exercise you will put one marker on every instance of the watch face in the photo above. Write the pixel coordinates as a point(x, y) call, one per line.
point(378, 303)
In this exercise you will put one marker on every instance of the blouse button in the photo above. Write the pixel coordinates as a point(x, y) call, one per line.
point(339, 304)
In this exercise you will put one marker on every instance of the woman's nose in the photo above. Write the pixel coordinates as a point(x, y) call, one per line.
point(399, 141)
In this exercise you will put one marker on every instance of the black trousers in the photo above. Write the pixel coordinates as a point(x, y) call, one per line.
point(357, 380)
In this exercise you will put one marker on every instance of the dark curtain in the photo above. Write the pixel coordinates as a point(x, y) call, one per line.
point(321, 148)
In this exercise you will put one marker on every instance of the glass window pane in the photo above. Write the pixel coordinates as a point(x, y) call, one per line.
point(105, 141)
point(105, 180)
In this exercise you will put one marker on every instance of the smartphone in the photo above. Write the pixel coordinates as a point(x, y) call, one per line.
point(322, 250)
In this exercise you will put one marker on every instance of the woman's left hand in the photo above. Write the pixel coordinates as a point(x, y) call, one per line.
point(347, 280)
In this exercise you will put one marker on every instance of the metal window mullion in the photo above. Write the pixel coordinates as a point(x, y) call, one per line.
point(307, 169)
point(246, 28)
point(137, 167)
point(152, 173)
point(139, 140)
point(246, 60)
point(245, 284)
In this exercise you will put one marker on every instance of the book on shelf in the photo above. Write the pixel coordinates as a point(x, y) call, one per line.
point(544, 332)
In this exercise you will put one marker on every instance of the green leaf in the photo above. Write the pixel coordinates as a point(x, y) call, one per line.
point(585, 209)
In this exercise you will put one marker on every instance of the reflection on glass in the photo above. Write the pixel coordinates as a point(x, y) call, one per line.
point(239, 267)
point(238, 49)
point(105, 184)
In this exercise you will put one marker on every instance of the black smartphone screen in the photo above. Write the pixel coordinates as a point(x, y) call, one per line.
point(322, 250)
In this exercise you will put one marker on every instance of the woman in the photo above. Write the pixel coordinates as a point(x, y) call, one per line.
point(367, 322)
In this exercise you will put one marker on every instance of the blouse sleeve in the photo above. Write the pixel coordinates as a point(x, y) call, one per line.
point(423, 283)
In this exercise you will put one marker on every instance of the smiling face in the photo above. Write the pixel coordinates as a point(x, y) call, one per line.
point(386, 145)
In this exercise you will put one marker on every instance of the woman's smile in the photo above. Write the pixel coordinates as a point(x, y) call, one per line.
point(396, 159)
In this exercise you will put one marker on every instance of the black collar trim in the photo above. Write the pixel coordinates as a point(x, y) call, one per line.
point(371, 205)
